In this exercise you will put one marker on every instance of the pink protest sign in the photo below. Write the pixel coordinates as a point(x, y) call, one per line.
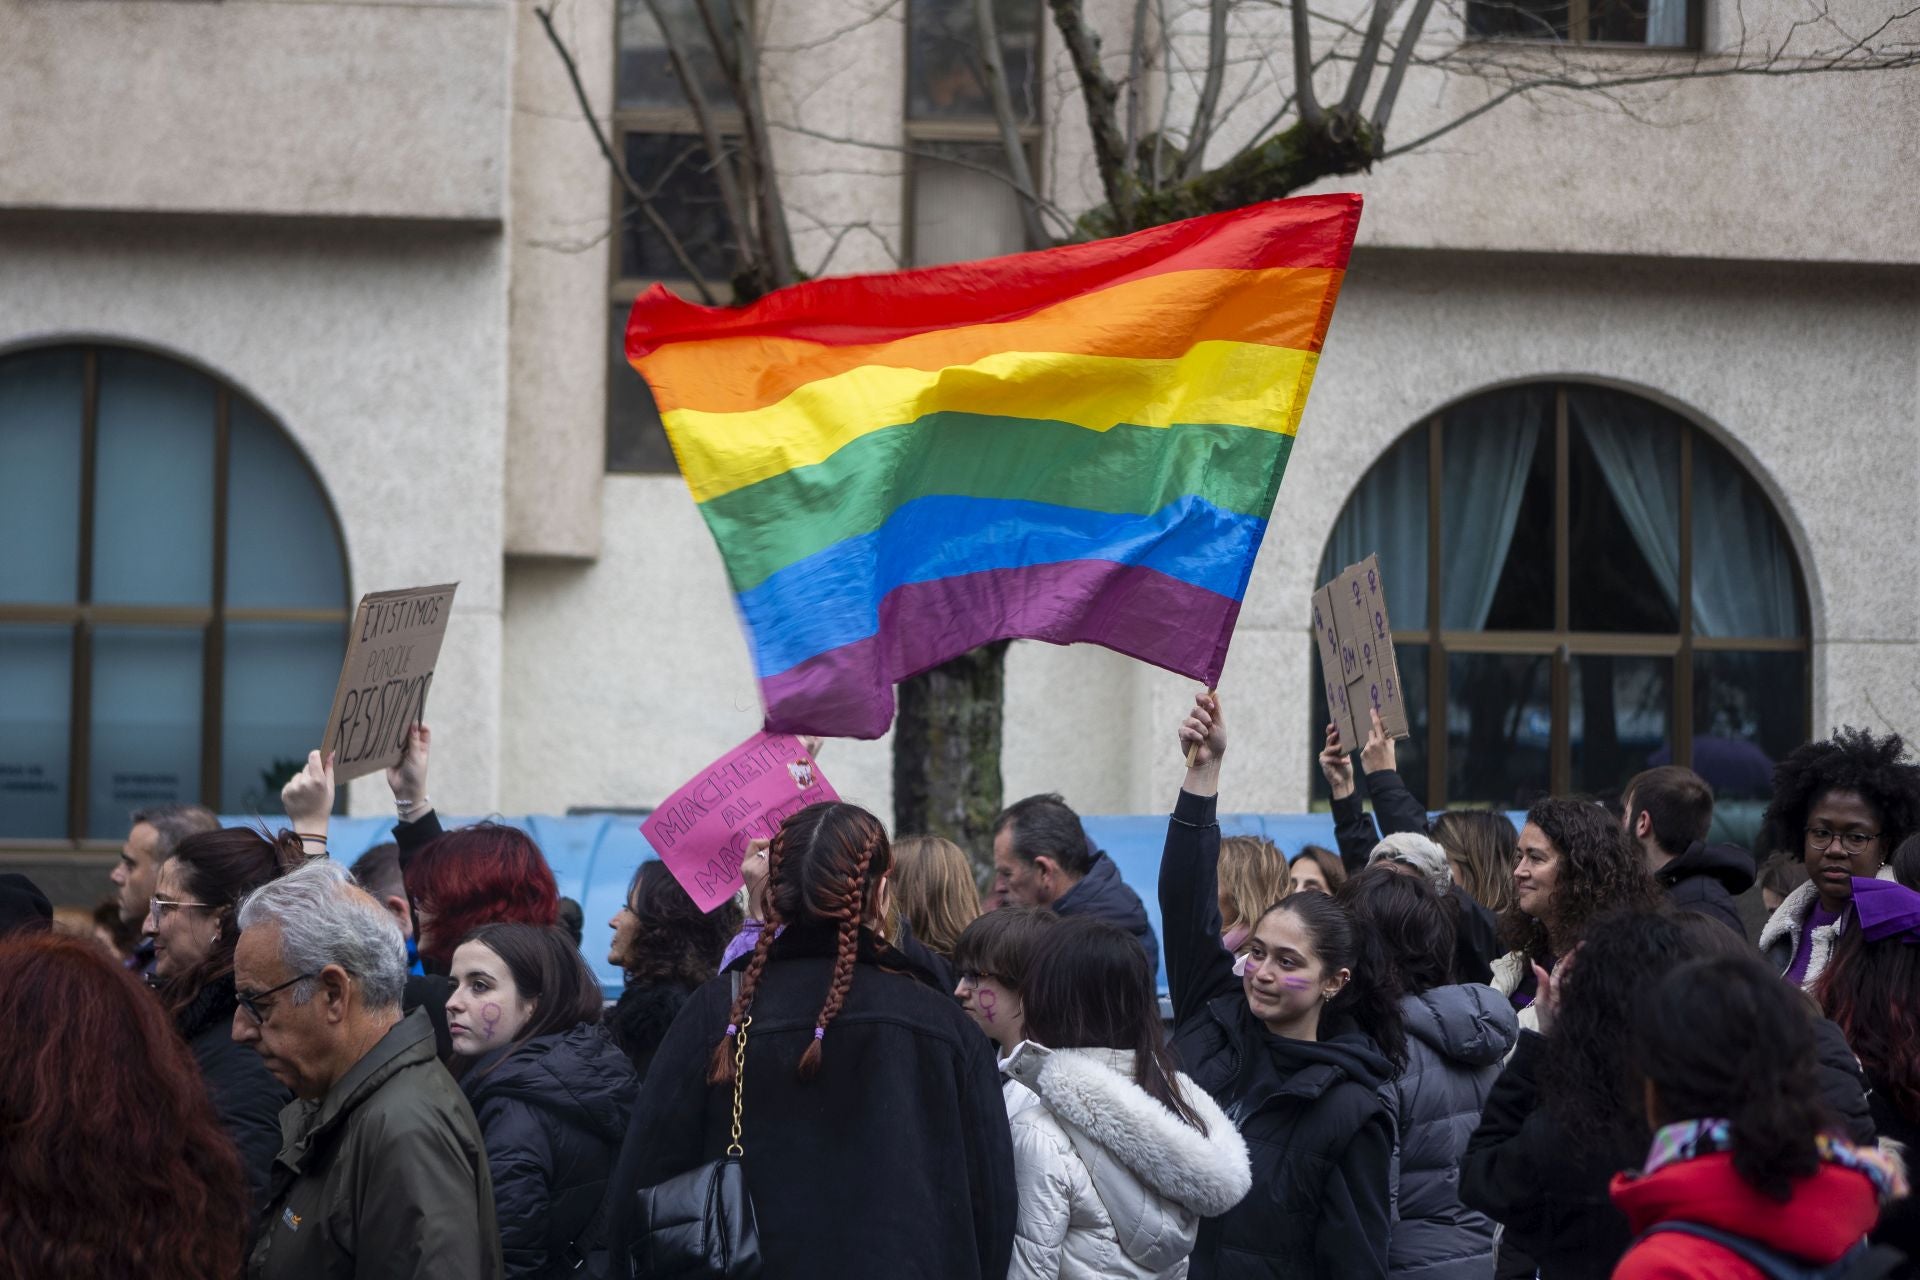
point(702, 830)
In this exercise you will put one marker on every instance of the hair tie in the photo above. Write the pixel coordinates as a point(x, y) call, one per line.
point(732, 1031)
point(819, 1033)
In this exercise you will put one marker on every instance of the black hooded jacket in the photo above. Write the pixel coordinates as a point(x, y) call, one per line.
point(1319, 1134)
point(553, 1114)
point(893, 1161)
point(1704, 880)
point(247, 1098)
point(1102, 894)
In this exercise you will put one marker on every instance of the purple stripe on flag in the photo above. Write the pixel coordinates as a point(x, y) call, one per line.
point(848, 692)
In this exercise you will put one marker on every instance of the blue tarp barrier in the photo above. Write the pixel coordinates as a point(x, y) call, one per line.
point(594, 857)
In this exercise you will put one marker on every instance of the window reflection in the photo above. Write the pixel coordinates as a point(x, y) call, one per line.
point(676, 171)
point(943, 57)
point(1499, 729)
point(1619, 710)
point(645, 76)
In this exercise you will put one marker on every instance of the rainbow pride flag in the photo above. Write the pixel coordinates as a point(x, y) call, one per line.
point(1078, 444)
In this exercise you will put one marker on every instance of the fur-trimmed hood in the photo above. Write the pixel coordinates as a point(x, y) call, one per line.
point(1091, 1093)
point(1780, 936)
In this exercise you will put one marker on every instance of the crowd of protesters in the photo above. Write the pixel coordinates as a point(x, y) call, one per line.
point(1445, 1047)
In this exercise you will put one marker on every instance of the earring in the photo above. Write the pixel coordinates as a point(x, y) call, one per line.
point(1326, 996)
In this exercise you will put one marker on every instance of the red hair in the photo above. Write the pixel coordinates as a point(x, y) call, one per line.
point(483, 874)
point(112, 1161)
point(1872, 990)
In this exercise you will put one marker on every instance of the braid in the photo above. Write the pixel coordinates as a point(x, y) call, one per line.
point(720, 1068)
point(852, 899)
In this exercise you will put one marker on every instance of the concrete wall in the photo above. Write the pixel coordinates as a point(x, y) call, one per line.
point(387, 108)
point(382, 353)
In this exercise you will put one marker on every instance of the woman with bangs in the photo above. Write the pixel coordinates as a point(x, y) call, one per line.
point(1294, 1040)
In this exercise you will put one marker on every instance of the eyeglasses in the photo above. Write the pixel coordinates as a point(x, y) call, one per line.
point(250, 1001)
point(1854, 841)
point(163, 907)
point(973, 977)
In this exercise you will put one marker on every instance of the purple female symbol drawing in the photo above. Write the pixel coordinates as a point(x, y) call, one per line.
point(987, 1003)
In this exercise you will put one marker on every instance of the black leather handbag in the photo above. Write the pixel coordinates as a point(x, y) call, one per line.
point(700, 1225)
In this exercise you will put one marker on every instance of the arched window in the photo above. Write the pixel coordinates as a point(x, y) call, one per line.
point(1589, 585)
point(173, 594)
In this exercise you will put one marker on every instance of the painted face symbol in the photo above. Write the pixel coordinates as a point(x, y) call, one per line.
point(490, 1017)
point(986, 1002)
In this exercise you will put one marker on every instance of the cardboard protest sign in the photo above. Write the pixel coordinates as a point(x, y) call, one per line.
point(1339, 712)
point(384, 681)
point(702, 830)
point(1355, 604)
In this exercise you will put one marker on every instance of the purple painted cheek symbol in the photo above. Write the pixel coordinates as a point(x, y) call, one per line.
point(986, 1002)
point(1296, 984)
point(490, 1015)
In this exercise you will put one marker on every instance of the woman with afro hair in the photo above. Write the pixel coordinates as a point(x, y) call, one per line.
point(1843, 805)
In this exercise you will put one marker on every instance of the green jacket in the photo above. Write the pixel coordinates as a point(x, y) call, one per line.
point(384, 1178)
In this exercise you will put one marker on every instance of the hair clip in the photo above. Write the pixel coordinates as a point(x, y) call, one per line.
point(819, 1033)
point(732, 1031)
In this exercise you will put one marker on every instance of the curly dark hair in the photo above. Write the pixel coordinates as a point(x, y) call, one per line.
point(1851, 760)
point(1590, 1079)
point(677, 943)
point(1601, 869)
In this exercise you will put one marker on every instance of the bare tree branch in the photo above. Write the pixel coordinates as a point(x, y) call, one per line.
point(640, 198)
point(1362, 76)
point(776, 240)
point(1311, 113)
point(1209, 90)
point(993, 71)
point(738, 219)
point(1100, 97)
point(1136, 77)
point(1402, 55)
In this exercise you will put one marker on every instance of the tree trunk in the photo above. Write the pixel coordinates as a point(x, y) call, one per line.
point(946, 751)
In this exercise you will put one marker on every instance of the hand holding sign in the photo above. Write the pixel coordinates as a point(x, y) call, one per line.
point(308, 800)
point(704, 830)
point(384, 680)
point(408, 779)
point(1335, 765)
point(1378, 754)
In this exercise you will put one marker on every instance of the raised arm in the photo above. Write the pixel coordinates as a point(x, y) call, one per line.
point(418, 823)
point(1394, 807)
point(308, 800)
point(1198, 967)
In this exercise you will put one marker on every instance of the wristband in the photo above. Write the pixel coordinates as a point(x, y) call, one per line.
point(307, 835)
point(408, 808)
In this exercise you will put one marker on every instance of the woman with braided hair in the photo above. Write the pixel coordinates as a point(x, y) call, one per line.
point(874, 1133)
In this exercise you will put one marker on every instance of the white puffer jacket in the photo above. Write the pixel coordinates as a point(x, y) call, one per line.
point(1110, 1182)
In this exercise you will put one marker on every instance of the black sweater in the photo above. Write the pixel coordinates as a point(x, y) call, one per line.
point(1319, 1135)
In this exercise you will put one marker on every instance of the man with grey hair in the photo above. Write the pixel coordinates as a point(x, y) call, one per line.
point(382, 1171)
point(151, 839)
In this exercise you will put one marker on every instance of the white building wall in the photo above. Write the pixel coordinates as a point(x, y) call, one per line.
point(382, 353)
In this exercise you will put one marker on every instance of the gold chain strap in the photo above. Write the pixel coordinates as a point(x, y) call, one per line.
point(739, 1082)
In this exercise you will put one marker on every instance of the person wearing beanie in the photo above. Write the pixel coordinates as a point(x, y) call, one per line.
point(22, 906)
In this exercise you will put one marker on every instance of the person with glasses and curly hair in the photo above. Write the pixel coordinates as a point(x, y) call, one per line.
point(1844, 805)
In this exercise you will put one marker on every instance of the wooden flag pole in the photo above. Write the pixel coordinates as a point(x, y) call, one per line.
point(1194, 750)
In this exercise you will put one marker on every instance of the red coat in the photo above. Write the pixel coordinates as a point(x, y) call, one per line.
point(1828, 1215)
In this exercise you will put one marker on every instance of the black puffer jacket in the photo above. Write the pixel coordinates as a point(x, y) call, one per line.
point(893, 1162)
point(1704, 880)
point(1320, 1137)
point(1102, 894)
point(246, 1097)
point(553, 1114)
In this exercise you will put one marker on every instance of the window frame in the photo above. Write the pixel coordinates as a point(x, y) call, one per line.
point(1578, 19)
point(1562, 644)
point(84, 616)
point(964, 129)
point(729, 122)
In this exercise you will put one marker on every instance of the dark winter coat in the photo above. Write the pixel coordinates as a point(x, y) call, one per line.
point(894, 1161)
point(553, 1114)
point(247, 1098)
point(1102, 894)
point(1900, 1221)
point(385, 1178)
point(639, 1020)
point(1456, 1038)
point(1551, 1193)
point(1319, 1135)
point(1704, 880)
